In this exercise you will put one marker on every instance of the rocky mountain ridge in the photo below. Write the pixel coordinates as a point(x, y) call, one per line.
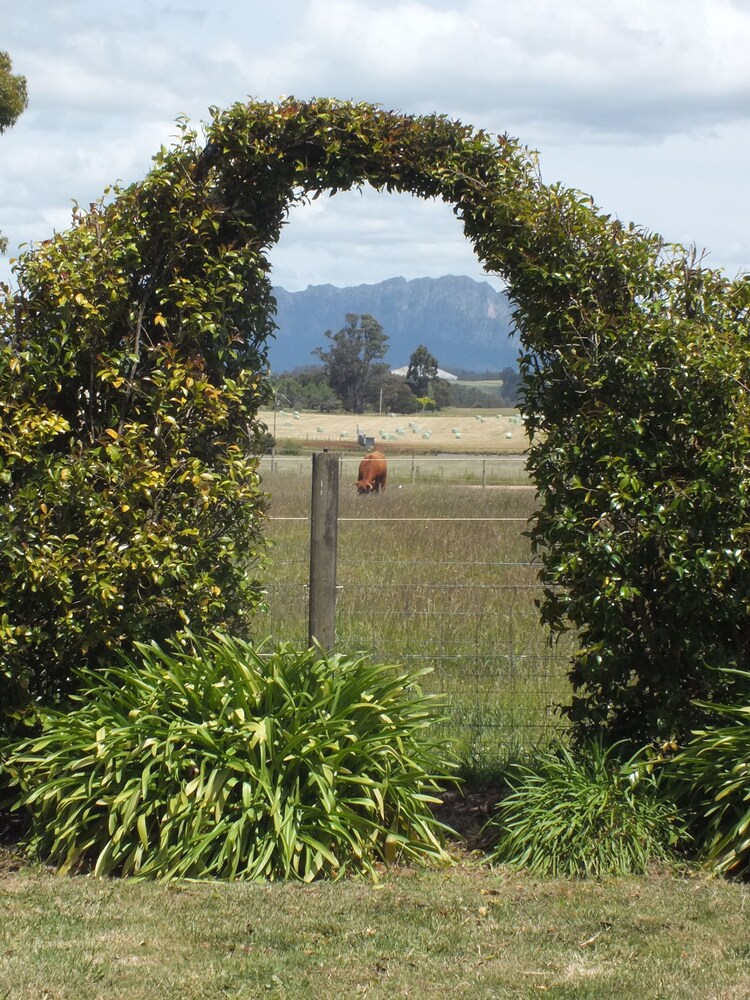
point(463, 322)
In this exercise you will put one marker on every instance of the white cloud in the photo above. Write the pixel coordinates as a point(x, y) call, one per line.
point(643, 103)
point(637, 68)
point(365, 237)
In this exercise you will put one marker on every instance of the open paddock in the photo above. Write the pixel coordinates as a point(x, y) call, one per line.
point(498, 432)
point(436, 577)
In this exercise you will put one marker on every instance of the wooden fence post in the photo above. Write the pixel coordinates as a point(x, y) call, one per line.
point(324, 512)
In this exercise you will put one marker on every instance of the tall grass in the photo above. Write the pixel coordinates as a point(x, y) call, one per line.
point(586, 814)
point(421, 585)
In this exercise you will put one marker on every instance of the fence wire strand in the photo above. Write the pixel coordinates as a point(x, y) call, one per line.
point(489, 656)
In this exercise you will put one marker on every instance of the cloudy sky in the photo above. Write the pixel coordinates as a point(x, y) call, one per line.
point(644, 104)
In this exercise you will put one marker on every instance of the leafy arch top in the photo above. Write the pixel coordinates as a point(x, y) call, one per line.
point(264, 157)
point(187, 246)
point(260, 158)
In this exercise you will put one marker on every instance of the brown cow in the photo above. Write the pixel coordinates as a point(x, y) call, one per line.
point(373, 471)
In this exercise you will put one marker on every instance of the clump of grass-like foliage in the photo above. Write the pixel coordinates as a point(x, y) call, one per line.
point(585, 814)
point(711, 777)
point(228, 761)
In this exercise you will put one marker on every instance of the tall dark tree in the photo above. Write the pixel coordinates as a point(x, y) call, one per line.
point(306, 388)
point(349, 359)
point(13, 101)
point(377, 376)
point(397, 396)
point(422, 371)
point(441, 393)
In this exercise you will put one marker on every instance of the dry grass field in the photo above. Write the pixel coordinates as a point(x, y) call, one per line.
point(488, 431)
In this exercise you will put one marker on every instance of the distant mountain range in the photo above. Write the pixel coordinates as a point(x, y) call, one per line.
point(464, 323)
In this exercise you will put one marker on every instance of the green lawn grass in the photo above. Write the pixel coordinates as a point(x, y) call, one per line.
point(466, 932)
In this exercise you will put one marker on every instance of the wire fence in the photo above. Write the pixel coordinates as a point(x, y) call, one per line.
point(439, 579)
point(483, 470)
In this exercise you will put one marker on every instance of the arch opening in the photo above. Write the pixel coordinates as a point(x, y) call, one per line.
point(368, 236)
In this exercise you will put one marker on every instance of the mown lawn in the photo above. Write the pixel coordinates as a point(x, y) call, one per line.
point(464, 932)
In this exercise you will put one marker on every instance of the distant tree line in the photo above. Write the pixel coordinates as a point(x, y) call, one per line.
point(353, 377)
point(506, 393)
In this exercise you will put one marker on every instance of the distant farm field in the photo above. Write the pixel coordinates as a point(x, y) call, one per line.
point(486, 383)
point(489, 431)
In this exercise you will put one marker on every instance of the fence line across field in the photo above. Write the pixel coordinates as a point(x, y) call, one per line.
point(471, 620)
point(485, 470)
point(358, 520)
point(496, 694)
point(419, 562)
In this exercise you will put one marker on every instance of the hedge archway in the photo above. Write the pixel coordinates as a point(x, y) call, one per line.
point(132, 373)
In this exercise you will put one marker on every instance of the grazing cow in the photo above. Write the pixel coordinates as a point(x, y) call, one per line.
point(373, 470)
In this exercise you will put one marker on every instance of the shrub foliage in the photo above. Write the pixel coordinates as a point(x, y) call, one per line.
point(710, 777)
point(131, 362)
point(641, 430)
point(585, 814)
point(130, 374)
point(225, 761)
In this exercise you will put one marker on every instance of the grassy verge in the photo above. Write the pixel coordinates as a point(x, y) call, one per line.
point(465, 932)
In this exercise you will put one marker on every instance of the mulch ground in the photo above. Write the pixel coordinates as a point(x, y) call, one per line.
point(466, 811)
